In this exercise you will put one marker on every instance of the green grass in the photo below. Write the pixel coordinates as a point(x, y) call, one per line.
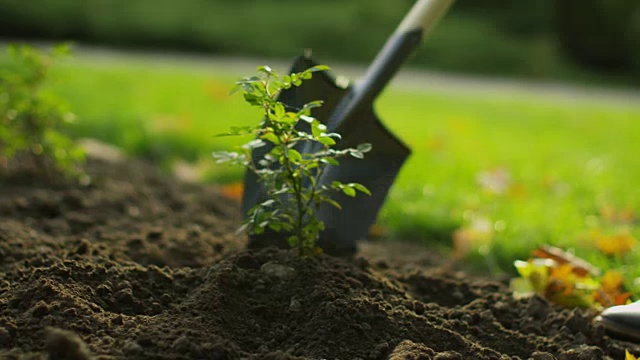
point(566, 161)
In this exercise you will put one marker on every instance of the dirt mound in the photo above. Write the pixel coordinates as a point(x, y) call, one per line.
point(141, 266)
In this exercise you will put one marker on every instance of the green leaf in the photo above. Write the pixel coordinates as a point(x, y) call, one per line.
point(325, 140)
point(307, 119)
point(313, 104)
point(235, 89)
point(330, 161)
point(252, 99)
point(319, 68)
point(360, 188)
point(243, 228)
point(365, 147)
point(332, 203)
point(279, 110)
point(316, 131)
point(265, 69)
point(238, 130)
point(289, 118)
point(276, 152)
point(293, 241)
point(264, 224)
point(247, 87)
point(294, 156)
point(357, 154)
point(268, 203)
point(349, 191)
point(271, 137)
point(255, 144)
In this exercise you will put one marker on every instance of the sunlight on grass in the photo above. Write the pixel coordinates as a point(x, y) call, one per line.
point(501, 175)
point(562, 165)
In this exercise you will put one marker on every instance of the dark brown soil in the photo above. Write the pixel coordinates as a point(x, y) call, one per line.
point(141, 266)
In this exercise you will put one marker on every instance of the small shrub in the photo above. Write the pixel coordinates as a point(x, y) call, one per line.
point(31, 116)
point(291, 177)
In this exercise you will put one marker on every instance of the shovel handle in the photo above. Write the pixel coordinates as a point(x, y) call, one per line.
point(424, 15)
point(416, 25)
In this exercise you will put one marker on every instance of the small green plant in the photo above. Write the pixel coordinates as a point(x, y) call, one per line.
point(31, 116)
point(290, 177)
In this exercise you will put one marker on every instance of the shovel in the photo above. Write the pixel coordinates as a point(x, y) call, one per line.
point(348, 110)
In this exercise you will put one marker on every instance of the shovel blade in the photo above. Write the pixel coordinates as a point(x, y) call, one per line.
point(377, 171)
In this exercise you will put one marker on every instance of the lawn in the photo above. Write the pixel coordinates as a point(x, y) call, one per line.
point(499, 174)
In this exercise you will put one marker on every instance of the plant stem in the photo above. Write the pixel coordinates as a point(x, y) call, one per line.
point(297, 189)
point(301, 214)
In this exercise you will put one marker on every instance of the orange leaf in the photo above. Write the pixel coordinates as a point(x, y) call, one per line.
point(232, 191)
point(377, 231)
point(218, 90)
point(619, 244)
point(622, 299)
point(622, 216)
point(612, 281)
point(612, 291)
point(562, 272)
point(627, 216)
point(580, 266)
point(477, 233)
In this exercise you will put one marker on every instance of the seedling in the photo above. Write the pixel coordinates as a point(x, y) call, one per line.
point(31, 117)
point(290, 176)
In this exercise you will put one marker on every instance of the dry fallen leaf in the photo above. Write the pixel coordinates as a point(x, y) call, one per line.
point(377, 231)
point(232, 191)
point(616, 245)
point(569, 281)
point(612, 291)
point(557, 282)
point(618, 216)
point(580, 266)
point(473, 235)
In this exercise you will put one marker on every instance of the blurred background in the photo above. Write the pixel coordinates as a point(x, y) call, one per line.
point(523, 116)
point(591, 40)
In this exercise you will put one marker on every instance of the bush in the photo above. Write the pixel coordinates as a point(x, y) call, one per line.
point(31, 116)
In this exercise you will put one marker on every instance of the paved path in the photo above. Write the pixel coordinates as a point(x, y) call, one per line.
point(409, 79)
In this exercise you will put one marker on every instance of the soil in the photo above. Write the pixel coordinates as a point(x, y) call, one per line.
point(139, 265)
